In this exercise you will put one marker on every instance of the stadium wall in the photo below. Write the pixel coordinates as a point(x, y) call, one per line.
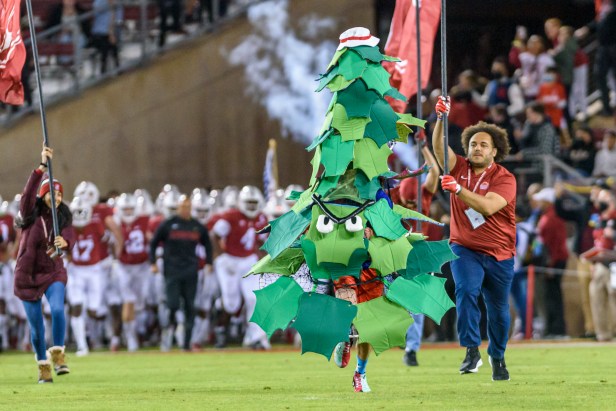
point(184, 118)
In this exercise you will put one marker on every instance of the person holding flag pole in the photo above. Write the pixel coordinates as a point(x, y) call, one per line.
point(39, 268)
point(45, 221)
point(483, 198)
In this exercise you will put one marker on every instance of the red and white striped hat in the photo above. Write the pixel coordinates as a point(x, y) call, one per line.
point(357, 36)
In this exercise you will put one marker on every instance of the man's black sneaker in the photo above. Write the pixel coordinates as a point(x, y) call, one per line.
point(472, 361)
point(499, 370)
point(410, 358)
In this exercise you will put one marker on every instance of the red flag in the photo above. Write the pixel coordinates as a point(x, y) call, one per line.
point(402, 43)
point(12, 53)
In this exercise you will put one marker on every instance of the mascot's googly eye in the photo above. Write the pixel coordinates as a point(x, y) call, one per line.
point(325, 224)
point(354, 224)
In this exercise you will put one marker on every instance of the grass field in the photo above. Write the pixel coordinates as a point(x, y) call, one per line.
point(543, 376)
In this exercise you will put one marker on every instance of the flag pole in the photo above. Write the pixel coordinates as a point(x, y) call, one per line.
point(444, 86)
point(419, 108)
point(54, 213)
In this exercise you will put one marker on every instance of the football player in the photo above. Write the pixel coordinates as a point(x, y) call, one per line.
point(87, 271)
point(132, 268)
point(113, 243)
point(236, 233)
point(207, 288)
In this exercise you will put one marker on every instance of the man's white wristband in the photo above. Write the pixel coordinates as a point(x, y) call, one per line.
point(458, 189)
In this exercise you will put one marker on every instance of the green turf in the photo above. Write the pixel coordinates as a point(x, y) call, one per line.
point(559, 376)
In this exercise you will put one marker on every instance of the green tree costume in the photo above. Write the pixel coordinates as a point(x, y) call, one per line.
point(325, 227)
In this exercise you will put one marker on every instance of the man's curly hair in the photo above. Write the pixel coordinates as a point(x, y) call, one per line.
point(499, 138)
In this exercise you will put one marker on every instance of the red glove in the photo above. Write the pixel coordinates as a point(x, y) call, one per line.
point(443, 105)
point(448, 183)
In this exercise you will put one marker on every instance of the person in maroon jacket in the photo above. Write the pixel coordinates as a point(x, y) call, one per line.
point(38, 271)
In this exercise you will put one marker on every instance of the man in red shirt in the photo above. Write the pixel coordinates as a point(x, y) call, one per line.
point(482, 235)
point(553, 234)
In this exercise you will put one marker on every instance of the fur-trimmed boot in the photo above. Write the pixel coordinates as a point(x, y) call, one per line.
point(44, 367)
point(57, 358)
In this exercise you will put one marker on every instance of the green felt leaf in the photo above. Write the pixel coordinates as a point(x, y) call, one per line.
point(351, 65)
point(423, 294)
point(389, 256)
point(337, 246)
point(336, 155)
point(336, 57)
point(377, 79)
point(326, 78)
point(414, 237)
point(323, 322)
point(327, 122)
point(367, 188)
point(326, 184)
point(338, 83)
point(395, 94)
point(305, 200)
point(353, 268)
point(385, 222)
point(413, 215)
point(390, 58)
point(403, 132)
point(428, 257)
point(310, 253)
point(382, 324)
point(319, 139)
point(371, 159)
point(409, 120)
point(382, 127)
point(349, 129)
point(287, 263)
point(357, 99)
point(277, 304)
point(285, 229)
point(369, 53)
point(316, 163)
point(345, 189)
point(294, 195)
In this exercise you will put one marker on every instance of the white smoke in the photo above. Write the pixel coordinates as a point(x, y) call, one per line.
point(281, 64)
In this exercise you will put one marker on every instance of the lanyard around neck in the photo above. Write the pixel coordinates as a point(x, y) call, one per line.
point(480, 177)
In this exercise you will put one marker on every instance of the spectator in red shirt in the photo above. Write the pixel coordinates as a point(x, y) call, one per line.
point(482, 236)
point(553, 234)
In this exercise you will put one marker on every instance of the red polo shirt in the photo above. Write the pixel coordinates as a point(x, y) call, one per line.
point(496, 237)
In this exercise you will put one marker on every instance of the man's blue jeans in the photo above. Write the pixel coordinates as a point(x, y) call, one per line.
point(34, 312)
point(476, 273)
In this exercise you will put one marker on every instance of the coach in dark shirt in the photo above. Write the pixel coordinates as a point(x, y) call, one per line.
point(179, 237)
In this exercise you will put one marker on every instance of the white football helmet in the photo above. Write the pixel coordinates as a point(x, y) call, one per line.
point(229, 197)
point(88, 191)
point(4, 208)
point(201, 205)
point(126, 208)
point(13, 208)
point(145, 205)
point(167, 188)
point(169, 206)
point(82, 212)
point(276, 205)
point(250, 201)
